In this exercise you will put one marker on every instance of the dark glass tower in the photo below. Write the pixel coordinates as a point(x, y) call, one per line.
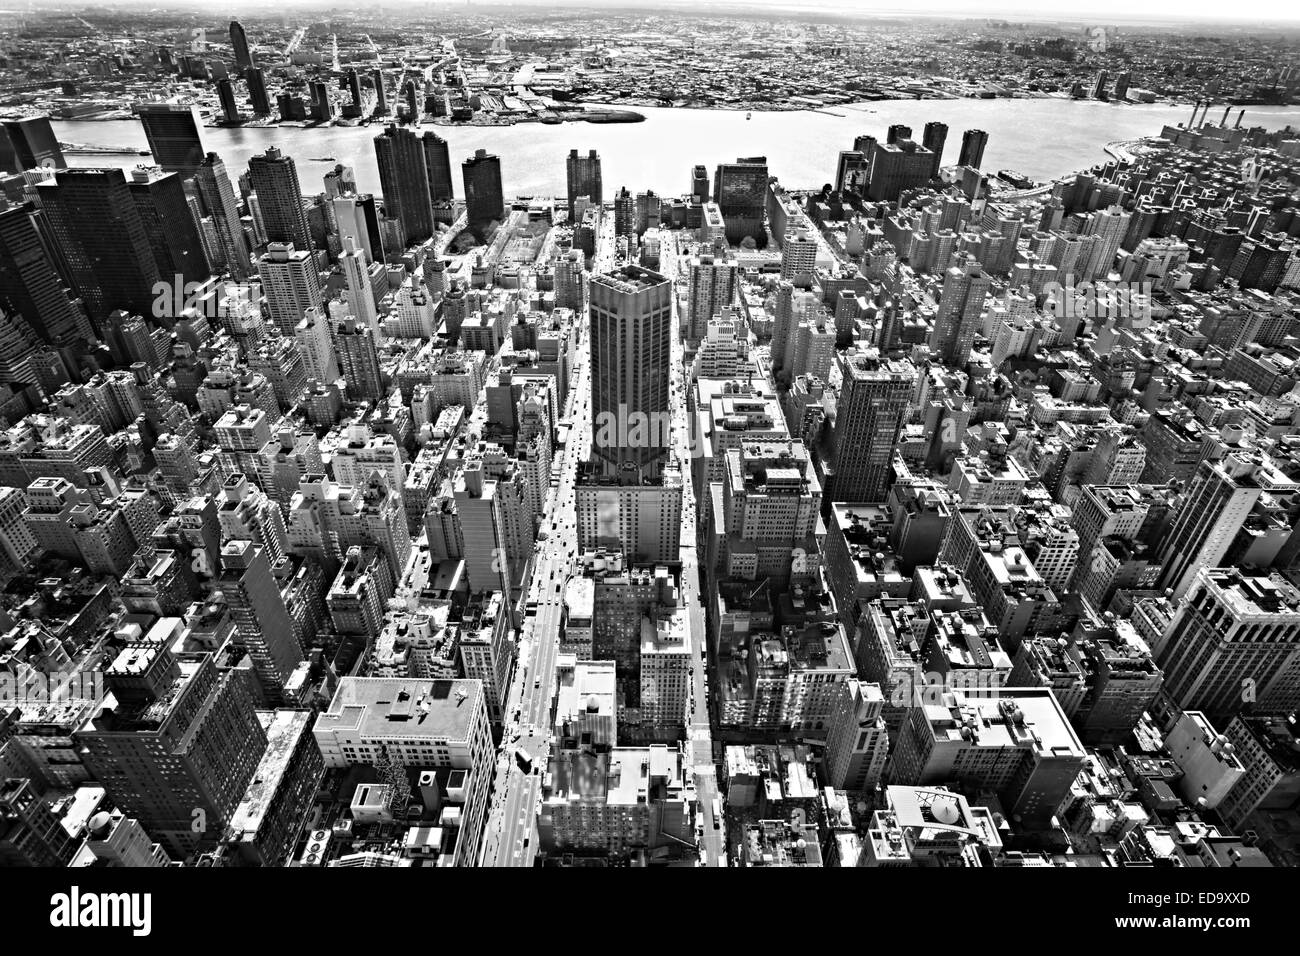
point(404, 179)
point(239, 40)
point(583, 174)
point(484, 198)
point(437, 163)
point(29, 144)
point(97, 224)
point(29, 281)
point(173, 134)
point(173, 235)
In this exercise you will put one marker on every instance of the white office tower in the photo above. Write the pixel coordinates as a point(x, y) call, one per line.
point(1220, 497)
point(357, 288)
point(313, 337)
point(350, 220)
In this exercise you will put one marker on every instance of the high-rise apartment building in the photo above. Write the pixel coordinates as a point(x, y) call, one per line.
point(274, 177)
point(873, 407)
point(961, 306)
point(404, 178)
point(973, 142)
point(583, 176)
point(484, 198)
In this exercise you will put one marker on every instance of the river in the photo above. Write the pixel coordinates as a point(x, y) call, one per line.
point(1043, 138)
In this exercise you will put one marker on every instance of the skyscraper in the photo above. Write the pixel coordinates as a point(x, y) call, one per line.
point(29, 144)
point(257, 95)
point(873, 404)
point(712, 287)
point(631, 318)
point(173, 134)
point(175, 743)
point(239, 40)
point(484, 198)
point(291, 284)
point(218, 198)
point(226, 97)
point(933, 139)
point(1217, 503)
point(404, 179)
point(262, 621)
point(274, 177)
point(740, 190)
point(583, 175)
point(381, 97)
point(1234, 640)
point(897, 166)
point(961, 303)
point(973, 142)
point(173, 235)
point(99, 230)
point(437, 163)
point(29, 281)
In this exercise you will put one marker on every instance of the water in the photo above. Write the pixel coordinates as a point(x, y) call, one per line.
point(1042, 138)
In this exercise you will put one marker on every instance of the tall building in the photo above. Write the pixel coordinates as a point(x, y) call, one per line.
point(381, 97)
point(99, 230)
point(898, 166)
point(239, 41)
point(169, 224)
point(1233, 643)
point(484, 198)
point(973, 142)
point(799, 258)
point(358, 357)
point(435, 725)
point(258, 98)
point(218, 198)
point(857, 741)
point(262, 623)
point(1016, 742)
point(712, 288)
point(961, 306)
point(437, 163)
point(29, 144)
point(740, 190)
point(173, 134)
point(291, 284)
point(872, 410)
point(933, 138)
point(631, 329)
point(1219, 499)
point(30, 282)
point(274, 177)
point(174, 743)
point(583, 175)
point(404, 179)
point(226, 97)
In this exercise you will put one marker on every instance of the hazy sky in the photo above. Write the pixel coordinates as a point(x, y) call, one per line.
point(1244, 12)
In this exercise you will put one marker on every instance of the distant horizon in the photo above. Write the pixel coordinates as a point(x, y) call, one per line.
point(1267, 14)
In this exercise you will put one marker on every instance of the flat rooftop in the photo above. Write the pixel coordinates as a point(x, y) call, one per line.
point(378, 707)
